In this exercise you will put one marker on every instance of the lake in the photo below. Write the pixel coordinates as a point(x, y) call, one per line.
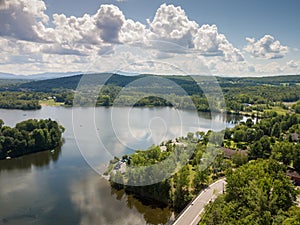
point(64, 186)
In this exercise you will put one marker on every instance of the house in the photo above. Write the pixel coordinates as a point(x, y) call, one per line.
point(294, 175)
point(163, 148)
point(228, 153)
point(295, 137)
point(120, 166)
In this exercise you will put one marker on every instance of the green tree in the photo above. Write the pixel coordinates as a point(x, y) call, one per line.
point(293, 216)
point(238, 135)
point(266, 145)
point(283, 152)
point(182, 195)
point(39, 138)
point(200, 179)
point(276, 130)
point(256, 193)
point(296, 158)
point(249, 122)
point(256, 150)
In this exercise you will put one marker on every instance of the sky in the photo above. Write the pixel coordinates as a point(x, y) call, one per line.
point(230, 38)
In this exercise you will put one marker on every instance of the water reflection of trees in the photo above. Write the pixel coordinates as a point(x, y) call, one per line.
point(40, 160)
point(233, 118)
point(153, 212)
point(228, 118)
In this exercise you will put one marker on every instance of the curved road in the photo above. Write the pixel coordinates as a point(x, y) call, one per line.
point(191, 215)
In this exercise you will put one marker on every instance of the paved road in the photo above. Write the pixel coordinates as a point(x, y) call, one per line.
point(191, 214)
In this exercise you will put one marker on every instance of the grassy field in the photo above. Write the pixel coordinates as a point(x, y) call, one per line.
point(50, 102)
point(278, 110)
point(289, 103)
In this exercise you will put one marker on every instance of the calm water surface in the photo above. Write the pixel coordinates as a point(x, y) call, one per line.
point(63, 187)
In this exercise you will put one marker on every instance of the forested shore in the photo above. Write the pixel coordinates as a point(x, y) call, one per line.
point(270, 148)
point(29, 136)
point(252, 96)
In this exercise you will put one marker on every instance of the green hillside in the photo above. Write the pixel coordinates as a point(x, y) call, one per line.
point(185, 82)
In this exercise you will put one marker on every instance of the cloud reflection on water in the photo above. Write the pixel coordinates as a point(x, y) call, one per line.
point(98, 205)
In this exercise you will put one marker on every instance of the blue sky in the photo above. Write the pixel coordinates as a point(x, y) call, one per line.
point(232, 37)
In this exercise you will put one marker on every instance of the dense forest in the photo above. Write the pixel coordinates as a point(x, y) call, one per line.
point(257, 193)
point(262, 152)
point(28, 137)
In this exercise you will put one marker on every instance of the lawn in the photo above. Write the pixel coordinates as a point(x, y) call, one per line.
point(50, 102)
point(278, 110)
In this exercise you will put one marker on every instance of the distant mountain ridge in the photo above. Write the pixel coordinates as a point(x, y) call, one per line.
point(40, 76)
point(11, 76)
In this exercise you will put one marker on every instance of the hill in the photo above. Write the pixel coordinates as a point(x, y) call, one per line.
point(186, 82)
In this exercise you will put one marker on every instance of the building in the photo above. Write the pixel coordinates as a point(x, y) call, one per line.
point(294, 175)
point(228, 153)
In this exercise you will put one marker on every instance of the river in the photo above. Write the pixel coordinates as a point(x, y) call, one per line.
point(64, 186)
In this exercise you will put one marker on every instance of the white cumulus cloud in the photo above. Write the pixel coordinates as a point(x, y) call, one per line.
point(267, 47)
point(132, 31)
point(32, 42)
point(210, 43)
point(23, 19)
point(171, 24)
point(93, 34)
point(109, 20)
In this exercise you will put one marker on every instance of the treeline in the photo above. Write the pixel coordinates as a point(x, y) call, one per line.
point(259, 98)
point(253, 100)
point(30, 100)
point(262, 94)
point(18, 100)
point(19, 104)
point(253, 96)
point(28, 137)
point(289, 80)
point(256, 193)
point(240, 99)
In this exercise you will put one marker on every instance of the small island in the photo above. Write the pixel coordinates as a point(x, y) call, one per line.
point(28, 137)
